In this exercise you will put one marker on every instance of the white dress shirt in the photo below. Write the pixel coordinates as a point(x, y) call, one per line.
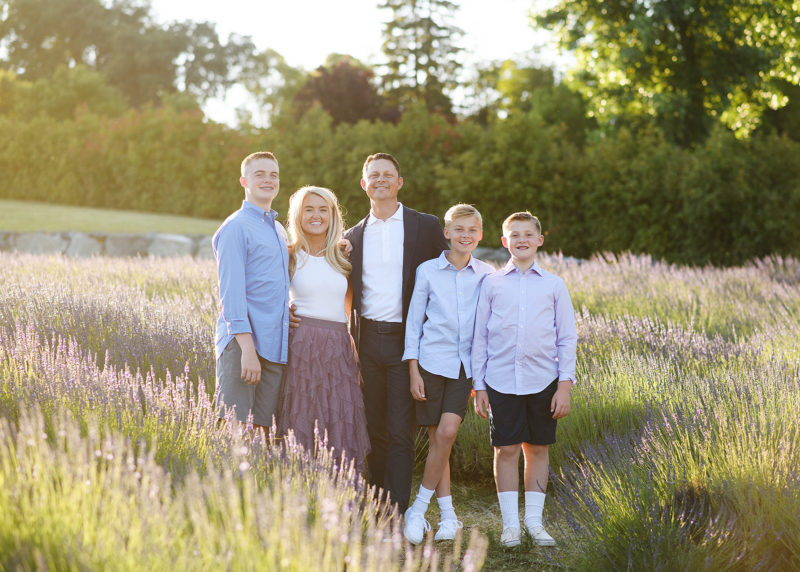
point(382, 274)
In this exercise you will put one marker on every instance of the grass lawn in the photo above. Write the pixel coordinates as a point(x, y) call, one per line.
point(23, 216)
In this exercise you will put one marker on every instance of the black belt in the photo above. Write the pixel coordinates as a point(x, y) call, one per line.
point(382, 327)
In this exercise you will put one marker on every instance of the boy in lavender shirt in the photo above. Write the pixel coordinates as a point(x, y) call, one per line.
point(253, 270)
point(438, 342)
point(523, 367)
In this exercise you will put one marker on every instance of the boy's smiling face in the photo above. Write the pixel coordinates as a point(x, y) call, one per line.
point(464, 234)
point(522, 239)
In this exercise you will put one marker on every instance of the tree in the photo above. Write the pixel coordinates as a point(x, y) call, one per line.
point(344, 88)
point(686, 63)
point(421, 51)
point(138, 56)
point(60, 96)
point(271, 84)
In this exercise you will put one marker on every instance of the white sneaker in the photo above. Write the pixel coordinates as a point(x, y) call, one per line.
point(510, 536)
point(447, 529)
point(415, 526)
point(540, 536)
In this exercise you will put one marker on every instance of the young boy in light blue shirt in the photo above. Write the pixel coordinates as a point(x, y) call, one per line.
point(523, 363)
point(438, 342)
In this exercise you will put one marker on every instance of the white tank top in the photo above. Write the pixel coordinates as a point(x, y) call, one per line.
point(317, 289)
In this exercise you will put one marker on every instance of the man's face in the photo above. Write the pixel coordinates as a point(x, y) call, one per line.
point(381, 181)
point(261, 182)
point(522, 239)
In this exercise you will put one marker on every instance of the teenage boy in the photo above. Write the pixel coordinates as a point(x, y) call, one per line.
point(388, 245)
point(439, 327)
point(523, 366)
point(253, 271)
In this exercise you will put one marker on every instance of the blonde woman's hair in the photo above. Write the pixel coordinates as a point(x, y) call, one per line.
point(333, 254)
point(462, 210)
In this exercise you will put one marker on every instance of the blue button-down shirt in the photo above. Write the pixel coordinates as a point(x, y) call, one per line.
point(525, 333)
point(253, 271)
point(441, 316)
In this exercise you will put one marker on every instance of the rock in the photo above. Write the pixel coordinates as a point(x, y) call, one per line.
point(7, 240)
point(496, 255)
point(171, 245)
point(204, 248)
point(82, 245)
point(128, 244)
point(41, 243)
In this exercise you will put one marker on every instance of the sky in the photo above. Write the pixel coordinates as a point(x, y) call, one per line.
point(304, 32)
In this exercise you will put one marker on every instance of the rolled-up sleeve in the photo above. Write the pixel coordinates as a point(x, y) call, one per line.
point(230, 249)
point(480, 338)
point(416, 315)
point(566, 333)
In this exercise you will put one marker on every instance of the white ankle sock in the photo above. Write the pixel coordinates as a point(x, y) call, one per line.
point(423, 499)
point(534, 505)
point(509, 508)
point(447, 512)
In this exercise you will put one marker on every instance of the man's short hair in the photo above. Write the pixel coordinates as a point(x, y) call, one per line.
point(522, 215)
point(462, 210)
point(376, 156)
point(254, 156)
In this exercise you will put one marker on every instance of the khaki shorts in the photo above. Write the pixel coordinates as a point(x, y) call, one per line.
point(260, 400)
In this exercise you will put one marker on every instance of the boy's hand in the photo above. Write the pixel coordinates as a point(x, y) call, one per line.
point(251, 367)
point(294, 320)
point(346, 246)
point(559, 406)
point(481, 403)
point(417, 383)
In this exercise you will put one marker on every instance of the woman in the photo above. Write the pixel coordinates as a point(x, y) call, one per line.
point(321, 382)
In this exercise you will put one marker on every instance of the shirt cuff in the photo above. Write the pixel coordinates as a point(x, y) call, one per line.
point(238, 327)
point(567, 377)
point(410, 354)
point(478, 385)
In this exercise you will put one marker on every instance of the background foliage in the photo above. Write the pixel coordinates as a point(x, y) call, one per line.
point(679, 140)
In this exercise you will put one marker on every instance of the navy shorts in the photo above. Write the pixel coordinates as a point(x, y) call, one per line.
point(442, 395)
point(522, 418)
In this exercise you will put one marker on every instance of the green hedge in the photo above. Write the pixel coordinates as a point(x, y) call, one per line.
point(724, 202)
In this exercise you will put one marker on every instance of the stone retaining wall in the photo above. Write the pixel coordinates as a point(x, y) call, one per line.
point(82, 244)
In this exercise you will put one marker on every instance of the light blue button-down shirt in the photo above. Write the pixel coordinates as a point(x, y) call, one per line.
point(441, 316)
point(525, 333)
point(253, 271)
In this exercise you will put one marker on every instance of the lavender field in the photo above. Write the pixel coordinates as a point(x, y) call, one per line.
point(682, 451)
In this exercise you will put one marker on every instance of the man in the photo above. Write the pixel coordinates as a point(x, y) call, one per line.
point(253, 271)
point(388, 245)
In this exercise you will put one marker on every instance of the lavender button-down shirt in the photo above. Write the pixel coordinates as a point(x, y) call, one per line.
point(441, 316)
point(253, 270)
point(524, 332)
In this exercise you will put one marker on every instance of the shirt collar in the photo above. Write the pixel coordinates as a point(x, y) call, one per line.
point(509, 267)
point(252, 209)
point(398, 215)
point(444, 263)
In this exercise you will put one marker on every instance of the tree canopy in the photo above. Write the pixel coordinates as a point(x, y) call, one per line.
point(420, 44)
point(345, 88)
point(138, 56)
point(685, 63)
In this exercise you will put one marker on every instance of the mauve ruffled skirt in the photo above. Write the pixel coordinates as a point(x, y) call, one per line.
point(322, 384)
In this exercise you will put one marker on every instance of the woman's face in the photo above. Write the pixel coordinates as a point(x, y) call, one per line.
point(315, 217)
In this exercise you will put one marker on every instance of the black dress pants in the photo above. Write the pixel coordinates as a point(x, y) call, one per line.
point(389, 409)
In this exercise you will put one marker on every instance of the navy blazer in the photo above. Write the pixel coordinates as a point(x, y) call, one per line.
point(423, 239)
